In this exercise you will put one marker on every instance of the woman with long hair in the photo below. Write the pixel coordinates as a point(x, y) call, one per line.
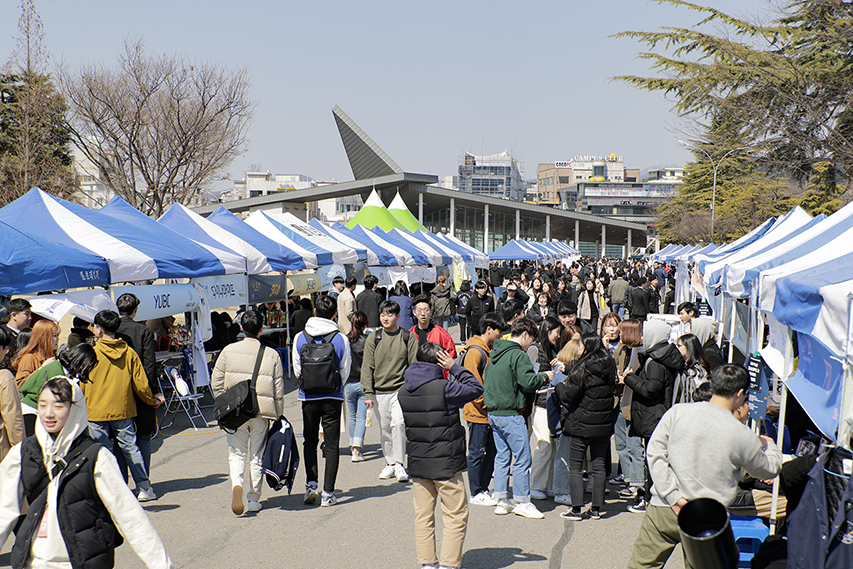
point(629, 448)
point(588, 396)
point(12, 429)
point(697, 370)
point(353, 392)
point(39, 350)
point(589, 306)
point(542, 309)
point(75, 363)
point(533, 291)
point(80, 507)
point(542, 354)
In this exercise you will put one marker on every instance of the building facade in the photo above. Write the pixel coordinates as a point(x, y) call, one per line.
point(557, 181)
point(496, 175)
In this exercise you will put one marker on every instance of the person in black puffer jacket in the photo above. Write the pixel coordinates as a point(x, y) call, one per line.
point(653, 384)
point(589, 395)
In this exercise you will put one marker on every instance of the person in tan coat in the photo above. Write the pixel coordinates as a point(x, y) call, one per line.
point(236, 363)
point(109, 397)
point(346, 305)
point(11, 418)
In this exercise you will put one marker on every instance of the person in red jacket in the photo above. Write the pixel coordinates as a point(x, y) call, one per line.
point(425, 330)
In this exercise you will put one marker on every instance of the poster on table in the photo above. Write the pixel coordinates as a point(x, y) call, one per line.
point(224, 291)
point(159, 301)
point(759, 386)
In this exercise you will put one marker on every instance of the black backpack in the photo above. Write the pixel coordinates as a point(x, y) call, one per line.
point(460, 359)
point(321, 372)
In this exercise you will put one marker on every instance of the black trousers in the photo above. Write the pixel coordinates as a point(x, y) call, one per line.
point(327, 412)
point(598, 447)
point(463, 329)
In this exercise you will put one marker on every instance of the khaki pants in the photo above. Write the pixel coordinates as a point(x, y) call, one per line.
point(454, 508)
point(658, 537)
point(246, 449)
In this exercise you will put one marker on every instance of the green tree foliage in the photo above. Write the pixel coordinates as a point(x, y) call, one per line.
point(34, 138)
point(823, 195)
point(784, 83)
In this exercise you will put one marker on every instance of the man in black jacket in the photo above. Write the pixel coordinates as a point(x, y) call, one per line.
point(480, 304)
point(640, 300)
point(368, 301)
point(435, 444)
point(140, 338)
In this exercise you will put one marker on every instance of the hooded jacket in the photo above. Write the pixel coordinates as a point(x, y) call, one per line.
point(507, 378)
point(435, 440)
point(590, 403)
point(477, 307)
point(317, 327)
point(84, 505)
point(475, 411)
point(443, 302)
point(114, 379)
point(652, 385)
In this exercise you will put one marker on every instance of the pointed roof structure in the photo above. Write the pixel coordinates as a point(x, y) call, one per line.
point(366, 159)
point(402, 214)
point(374, 214)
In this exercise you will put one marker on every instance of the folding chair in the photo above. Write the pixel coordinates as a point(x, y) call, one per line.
point(181, 398)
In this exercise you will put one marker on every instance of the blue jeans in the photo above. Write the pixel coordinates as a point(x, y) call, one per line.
point(444, 322)
point(561, 465)
point(630, 451)
point(618, 308)
point(356, 411)
point(123, 432)
point(481, 457)
point(511, 440)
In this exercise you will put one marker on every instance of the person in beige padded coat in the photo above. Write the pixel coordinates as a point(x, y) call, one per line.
point(235, 364)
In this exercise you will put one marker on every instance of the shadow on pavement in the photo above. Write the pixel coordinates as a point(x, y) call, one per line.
point(160, 507)
point(180, 484)
point(383, 488)
point(497, 557)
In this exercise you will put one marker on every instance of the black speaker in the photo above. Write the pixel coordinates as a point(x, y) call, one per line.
point(706, 535)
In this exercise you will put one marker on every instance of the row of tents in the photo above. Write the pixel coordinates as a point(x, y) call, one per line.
point(51, 244)
point(793, 274)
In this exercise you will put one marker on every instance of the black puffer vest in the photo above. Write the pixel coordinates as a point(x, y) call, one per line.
point(88, 530)
point(435, 440)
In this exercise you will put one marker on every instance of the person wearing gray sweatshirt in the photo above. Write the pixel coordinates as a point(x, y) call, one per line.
point(698, 451)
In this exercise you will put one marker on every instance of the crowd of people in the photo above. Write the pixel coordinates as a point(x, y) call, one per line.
point(548, 372)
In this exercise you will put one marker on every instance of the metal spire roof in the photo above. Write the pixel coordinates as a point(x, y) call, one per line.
point(366, 159)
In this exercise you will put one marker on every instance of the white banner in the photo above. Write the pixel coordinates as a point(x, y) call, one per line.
point(158, 301)
point(328, 273)
point(82, 303)
point(224, 291)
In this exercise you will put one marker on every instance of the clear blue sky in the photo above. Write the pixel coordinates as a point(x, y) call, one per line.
point(425, 80)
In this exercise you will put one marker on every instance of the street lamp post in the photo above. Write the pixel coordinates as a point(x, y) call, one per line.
point(714, 186)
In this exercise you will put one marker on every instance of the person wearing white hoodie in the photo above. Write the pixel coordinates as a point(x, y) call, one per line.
point(322, 406)
point(78, 513)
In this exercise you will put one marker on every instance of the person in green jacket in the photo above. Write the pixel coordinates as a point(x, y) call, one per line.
point(75, 362)
point(507, 380)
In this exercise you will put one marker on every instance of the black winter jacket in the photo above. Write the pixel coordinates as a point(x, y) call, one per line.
point(477, 307)
point(591, 404)
point(653, 387)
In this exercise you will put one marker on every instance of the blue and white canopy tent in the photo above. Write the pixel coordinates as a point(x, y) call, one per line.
point(232, 262)
point(311, 257)
point(341, 253)
point(30, 264)
point(480, 259)
point(515, 251)
point(279, 257)
point(133, 254)
point(363, 254)
point(419, 252)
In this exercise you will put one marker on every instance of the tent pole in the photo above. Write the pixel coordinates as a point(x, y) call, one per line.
point(732, 328)
point(780, 438)
point(287, 342)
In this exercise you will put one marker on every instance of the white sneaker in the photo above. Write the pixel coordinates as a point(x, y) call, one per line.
point(528, 510)
point(254, 506)
point(564, 499)
point(387, 472)
point(400, 473)
point(629, 492)
point(503, 508)
point(146, 494)
point(483, 499)
point(538, 495)
point(311, 493)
